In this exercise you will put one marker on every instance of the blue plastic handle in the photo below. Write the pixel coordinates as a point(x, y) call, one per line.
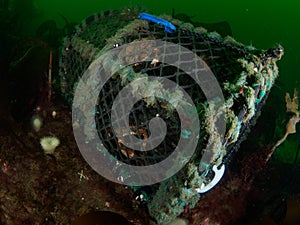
point(169, 27)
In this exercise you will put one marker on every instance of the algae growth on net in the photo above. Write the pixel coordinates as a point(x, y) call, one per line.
point(245, 76)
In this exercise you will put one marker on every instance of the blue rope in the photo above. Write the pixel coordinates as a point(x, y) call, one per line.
point(169, 27)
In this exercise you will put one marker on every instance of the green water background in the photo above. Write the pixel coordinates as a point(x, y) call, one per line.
point(261, 23)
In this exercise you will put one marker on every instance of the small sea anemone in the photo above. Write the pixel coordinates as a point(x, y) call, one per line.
point(36, 122)
point(49, 144)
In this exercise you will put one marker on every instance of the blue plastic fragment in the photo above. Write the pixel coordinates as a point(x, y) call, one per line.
point(261, 94)
point(169, 27)
point(188, 191)
point(185, 134)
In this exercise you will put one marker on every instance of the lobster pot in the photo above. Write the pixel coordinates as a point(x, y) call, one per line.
point(244, 74)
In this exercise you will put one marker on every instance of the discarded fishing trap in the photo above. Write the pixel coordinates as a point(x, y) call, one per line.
point(244, 74)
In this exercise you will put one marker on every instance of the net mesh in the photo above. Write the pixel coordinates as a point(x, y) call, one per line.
point(244, 73)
